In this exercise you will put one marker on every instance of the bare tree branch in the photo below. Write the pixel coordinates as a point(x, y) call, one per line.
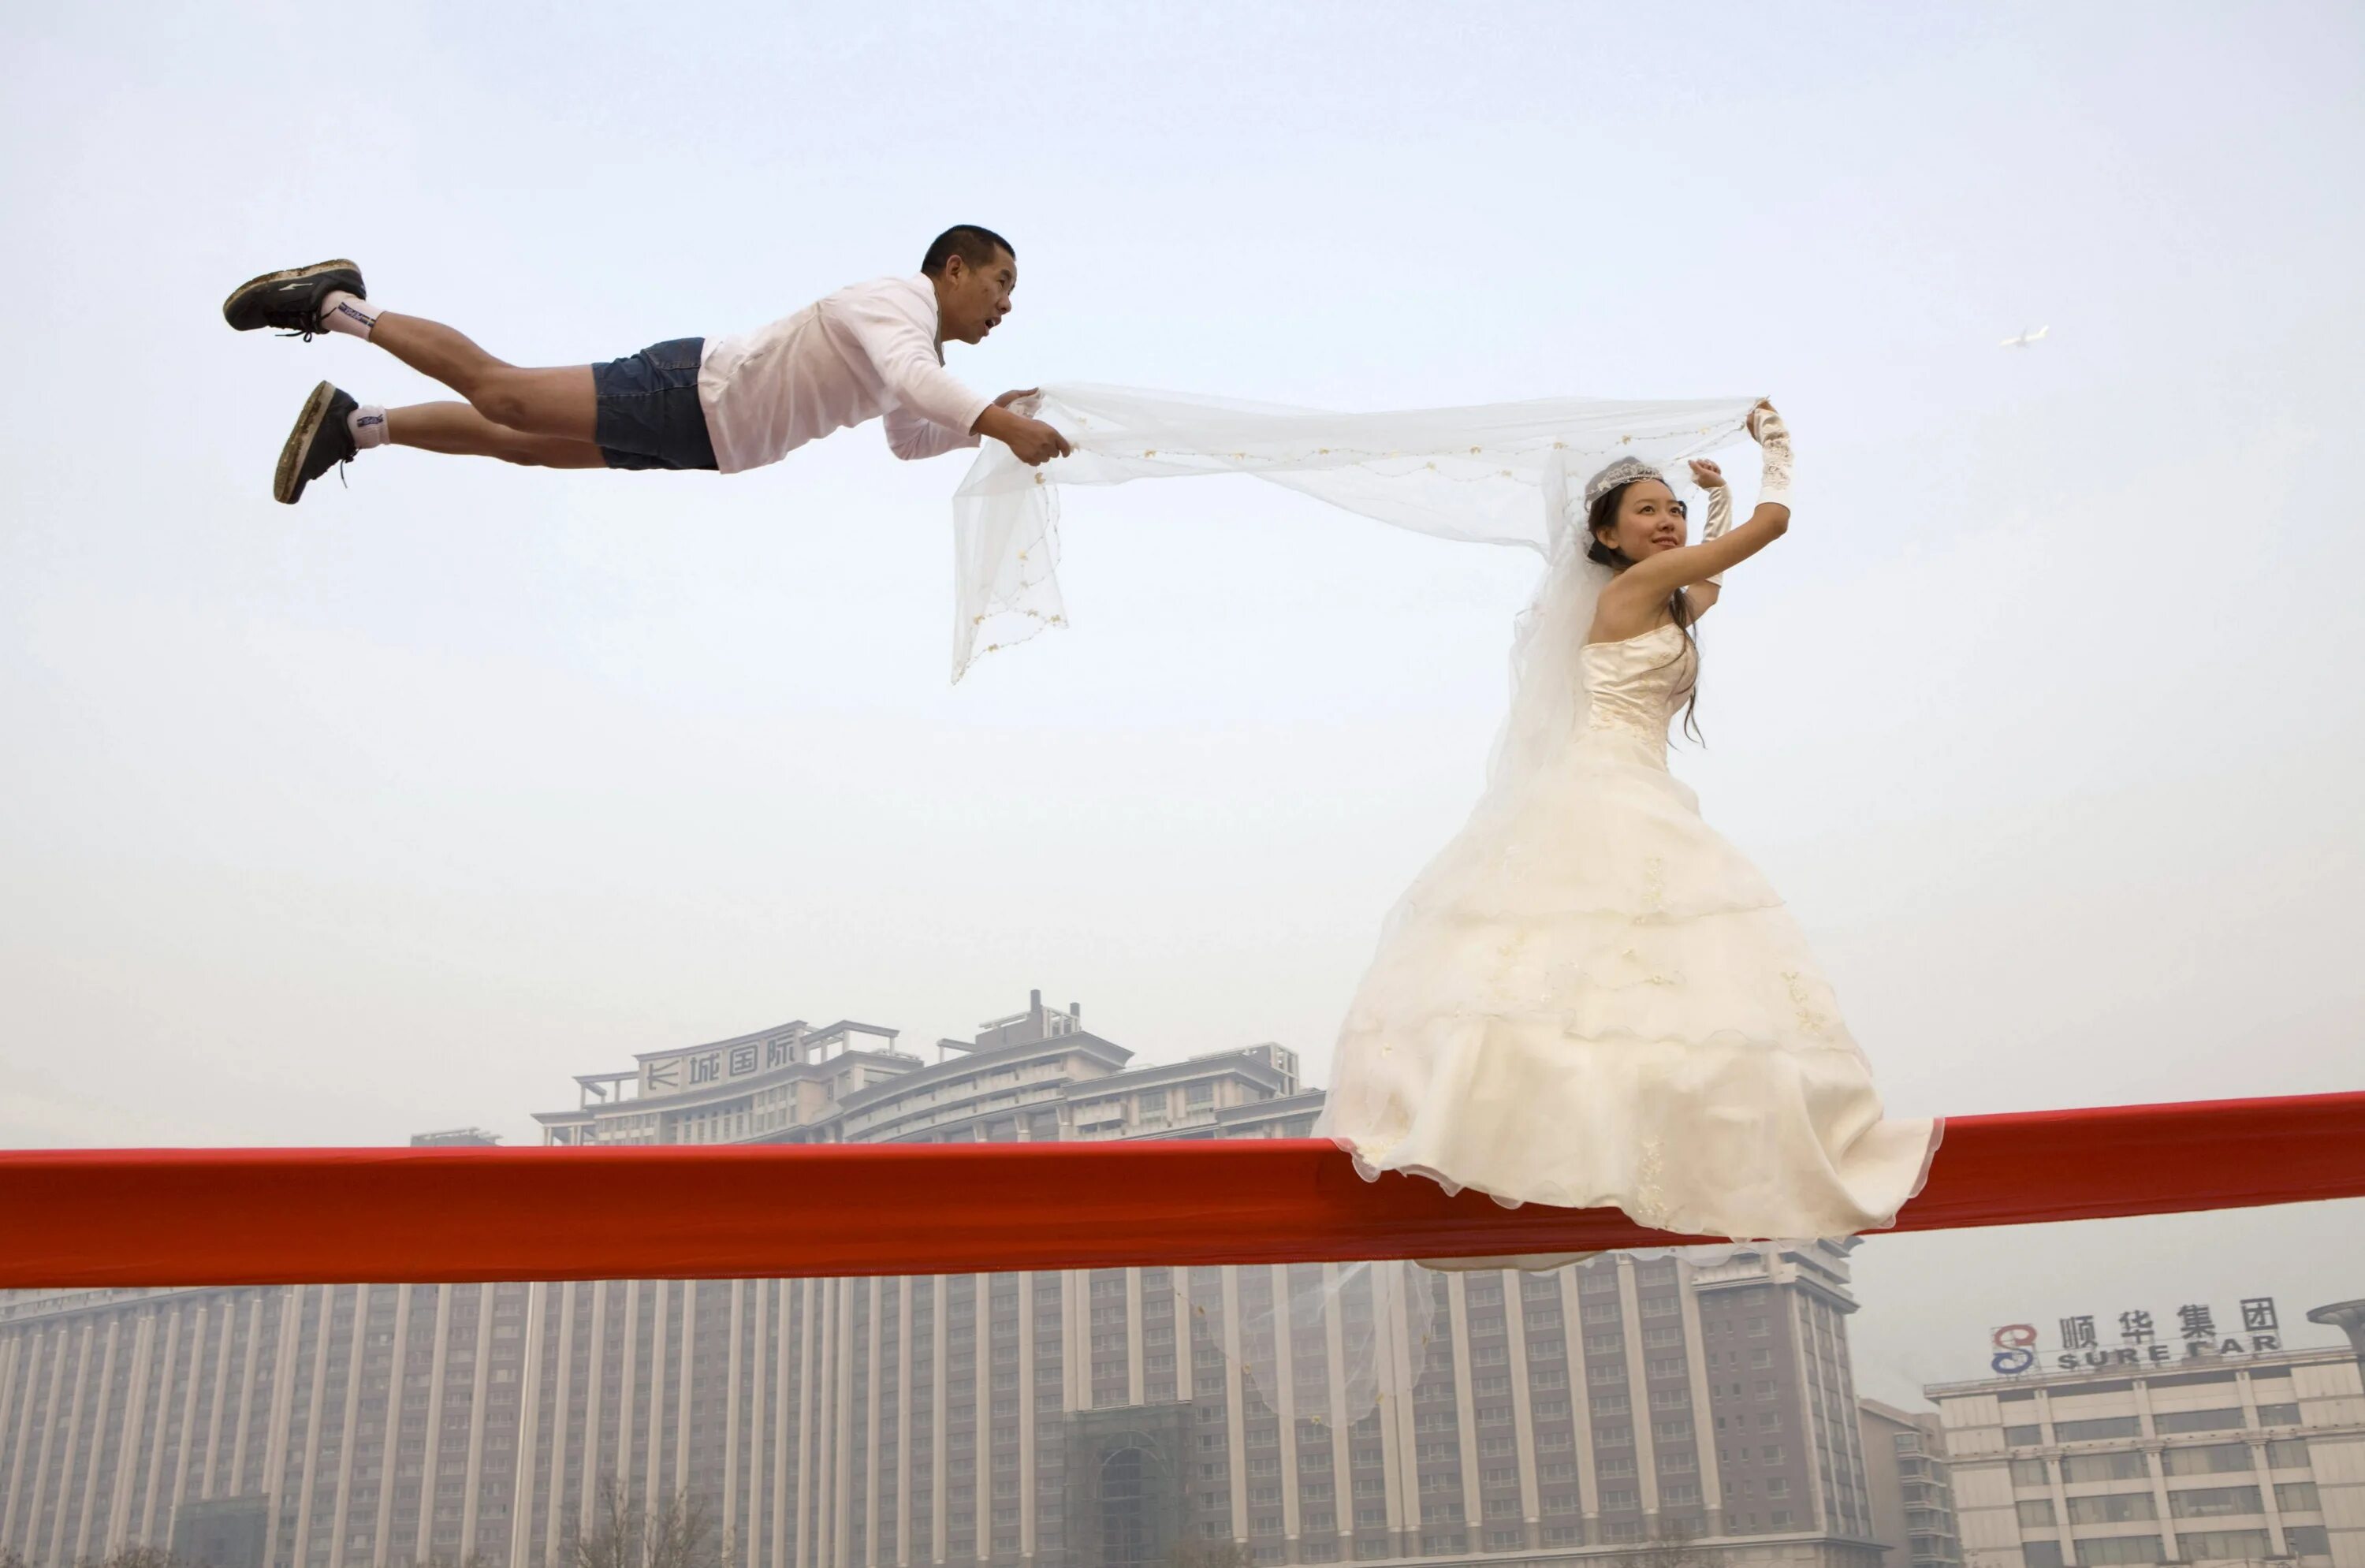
point(625, 1533)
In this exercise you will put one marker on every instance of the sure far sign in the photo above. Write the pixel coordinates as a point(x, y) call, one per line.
point(2140, 1341)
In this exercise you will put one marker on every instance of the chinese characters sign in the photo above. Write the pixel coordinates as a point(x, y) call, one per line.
point(2137, 1338)
point(706, 1067)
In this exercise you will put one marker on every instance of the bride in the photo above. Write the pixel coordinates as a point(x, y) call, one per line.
point(1588, 997)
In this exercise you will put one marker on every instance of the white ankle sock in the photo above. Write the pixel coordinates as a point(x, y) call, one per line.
point(367, 426)
point(343, 312)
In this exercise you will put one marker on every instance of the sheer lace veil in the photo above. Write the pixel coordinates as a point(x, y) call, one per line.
point(1321, 1344)
point(1490, 474)
point(1547, 677)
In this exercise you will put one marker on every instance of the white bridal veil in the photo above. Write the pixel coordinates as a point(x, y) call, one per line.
point(1489, 474)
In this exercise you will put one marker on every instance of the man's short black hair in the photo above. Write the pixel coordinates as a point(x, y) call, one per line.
point(972, 244)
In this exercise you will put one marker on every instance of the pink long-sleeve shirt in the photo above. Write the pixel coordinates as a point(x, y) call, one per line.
point(864, 351)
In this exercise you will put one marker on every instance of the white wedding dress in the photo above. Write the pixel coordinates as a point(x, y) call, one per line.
point(1589, 998)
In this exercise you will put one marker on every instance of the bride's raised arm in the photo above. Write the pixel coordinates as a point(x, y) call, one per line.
point(1700, 567)
point(1701, 596)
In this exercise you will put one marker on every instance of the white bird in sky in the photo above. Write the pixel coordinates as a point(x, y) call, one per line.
point(2026, 338)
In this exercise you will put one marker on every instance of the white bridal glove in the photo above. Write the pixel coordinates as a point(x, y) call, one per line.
point(1773, 437)
point(1719, 518)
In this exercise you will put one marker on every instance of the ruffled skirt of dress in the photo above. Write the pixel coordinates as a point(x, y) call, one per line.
point(1590, 999)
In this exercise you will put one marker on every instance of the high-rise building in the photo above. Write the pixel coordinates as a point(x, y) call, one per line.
point(2227, 1448)
point(1913, 1499)
point(1630, 1407)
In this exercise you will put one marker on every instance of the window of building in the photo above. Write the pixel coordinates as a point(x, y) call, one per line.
point(2214, 1460)
point(2207, 1502)
point(2225, 1419)
point(2098, 1552)
point(2023, 1437)
point(2297, 1497)
point(2036, 1511)
point(2030, 1472)
point(2113, 1508)
point(2224, 1545)
point(2308, 1540)
point(2279, 1414)
point(2042, 1553)
point(2100, 1427)
point(2082, 1467)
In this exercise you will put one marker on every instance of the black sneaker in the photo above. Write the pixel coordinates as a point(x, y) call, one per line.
point(321, 439)
point(290, 300)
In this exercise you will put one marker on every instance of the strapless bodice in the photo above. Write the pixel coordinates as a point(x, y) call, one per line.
point(1634, 686)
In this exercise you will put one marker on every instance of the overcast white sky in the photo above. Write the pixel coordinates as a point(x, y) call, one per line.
point(392, 810)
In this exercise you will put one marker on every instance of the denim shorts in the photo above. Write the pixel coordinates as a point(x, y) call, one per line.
point(649, 414)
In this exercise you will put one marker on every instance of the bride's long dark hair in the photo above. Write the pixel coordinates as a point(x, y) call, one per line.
point(1604, 515)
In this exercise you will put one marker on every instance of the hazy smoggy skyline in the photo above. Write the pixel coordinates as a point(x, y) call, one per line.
point(395, 810)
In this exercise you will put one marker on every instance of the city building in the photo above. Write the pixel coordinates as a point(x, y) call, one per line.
point(1905, 1472)
point(2201, 1447)
point(1629, 1409)
point(1037, 1076)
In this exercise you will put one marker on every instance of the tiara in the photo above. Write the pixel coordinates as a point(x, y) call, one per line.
point(1625, 471)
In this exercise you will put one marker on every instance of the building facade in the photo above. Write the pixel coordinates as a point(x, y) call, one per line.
point(1913, 1494)
point(1033, 1420)
point(2232, 1453)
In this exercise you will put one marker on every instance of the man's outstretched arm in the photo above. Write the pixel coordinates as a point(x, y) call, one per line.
point(911, 438)
point(905, 356)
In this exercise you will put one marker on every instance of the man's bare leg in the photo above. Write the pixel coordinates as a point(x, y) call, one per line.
point(459, 430)
point(557, 403)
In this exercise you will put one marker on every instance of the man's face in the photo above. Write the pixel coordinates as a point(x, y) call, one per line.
point(972, 301)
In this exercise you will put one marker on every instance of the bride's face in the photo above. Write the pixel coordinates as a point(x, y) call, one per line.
point(1650, 520)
